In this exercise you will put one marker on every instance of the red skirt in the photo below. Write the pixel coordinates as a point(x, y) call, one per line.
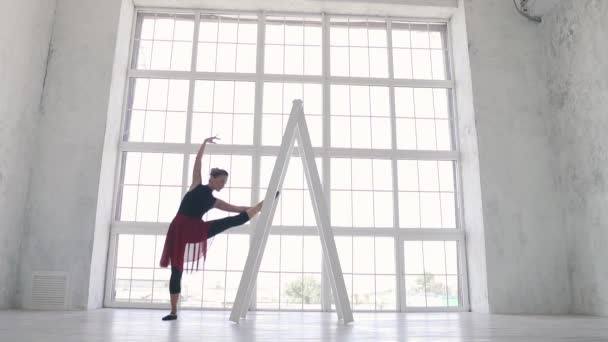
point(186, 242)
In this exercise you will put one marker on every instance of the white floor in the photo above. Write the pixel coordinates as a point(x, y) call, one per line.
point(145, 325)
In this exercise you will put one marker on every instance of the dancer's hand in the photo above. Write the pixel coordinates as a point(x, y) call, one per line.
point(210, 140)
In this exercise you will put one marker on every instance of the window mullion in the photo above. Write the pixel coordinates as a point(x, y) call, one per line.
point(397, 241)
point(257, 128)
point(325, 72)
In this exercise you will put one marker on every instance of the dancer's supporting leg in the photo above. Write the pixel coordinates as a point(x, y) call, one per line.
point(174, 290)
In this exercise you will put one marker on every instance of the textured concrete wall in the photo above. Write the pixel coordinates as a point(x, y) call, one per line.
point(60, 226)
point(524, 236)
point(25, 31)
point(576, 59)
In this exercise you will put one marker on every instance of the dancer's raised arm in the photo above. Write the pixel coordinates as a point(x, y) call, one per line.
point(196, 169)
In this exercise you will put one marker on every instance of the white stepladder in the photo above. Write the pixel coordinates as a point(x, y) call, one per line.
point(296, 129)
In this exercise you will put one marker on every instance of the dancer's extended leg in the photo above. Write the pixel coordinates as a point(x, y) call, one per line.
point(220, 225)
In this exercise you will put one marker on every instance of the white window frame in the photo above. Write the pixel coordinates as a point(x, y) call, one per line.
point(326, 152)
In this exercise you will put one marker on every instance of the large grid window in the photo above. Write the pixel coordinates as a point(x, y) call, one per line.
point(377, 98)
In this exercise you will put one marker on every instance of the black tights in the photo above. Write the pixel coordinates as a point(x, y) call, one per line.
point(216, 227)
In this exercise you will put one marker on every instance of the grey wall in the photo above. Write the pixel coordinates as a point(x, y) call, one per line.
point(525, 240)
point(60, 226)
point(576, 58)
point(25, 31)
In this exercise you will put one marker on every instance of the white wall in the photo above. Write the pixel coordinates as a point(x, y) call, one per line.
point(25, 31)
point(525, 240)
point(469, 166)
point(60, 232)
point(576, 57)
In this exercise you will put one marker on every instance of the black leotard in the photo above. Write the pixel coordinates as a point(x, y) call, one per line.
point(197, 202)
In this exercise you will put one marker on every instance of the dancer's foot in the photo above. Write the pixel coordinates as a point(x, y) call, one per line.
point(254, 210)
point(170, 317)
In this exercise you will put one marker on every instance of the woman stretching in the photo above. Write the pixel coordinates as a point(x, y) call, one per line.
point(187, 236)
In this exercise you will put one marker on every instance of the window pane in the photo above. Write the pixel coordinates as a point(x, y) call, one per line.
point(215, 106)
point(143, 250)
point(386, 293)
point(446, 176)
point(363, 188)
point(401, 35)
point(267, 294)
point(293, 45)
point(341, 212)
point(214, 289)
point(158, 111)
point(385, 255)
point(124, 258)
point(432, 131)
point(415, 291)
point(271, 259)
point(227, 43)
point(164, 42)
point(402, 63)
point(344, 245)
point(430, 273)
point(312, 254)
point(363, 110)
point(291, 291)
point(358, 48)
point(340, 65)
point(291, 253)
point(155, 175)
point(278, 100)
point(383, 209)
point(419, 51)
point(294, 206)
point(363, 292)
